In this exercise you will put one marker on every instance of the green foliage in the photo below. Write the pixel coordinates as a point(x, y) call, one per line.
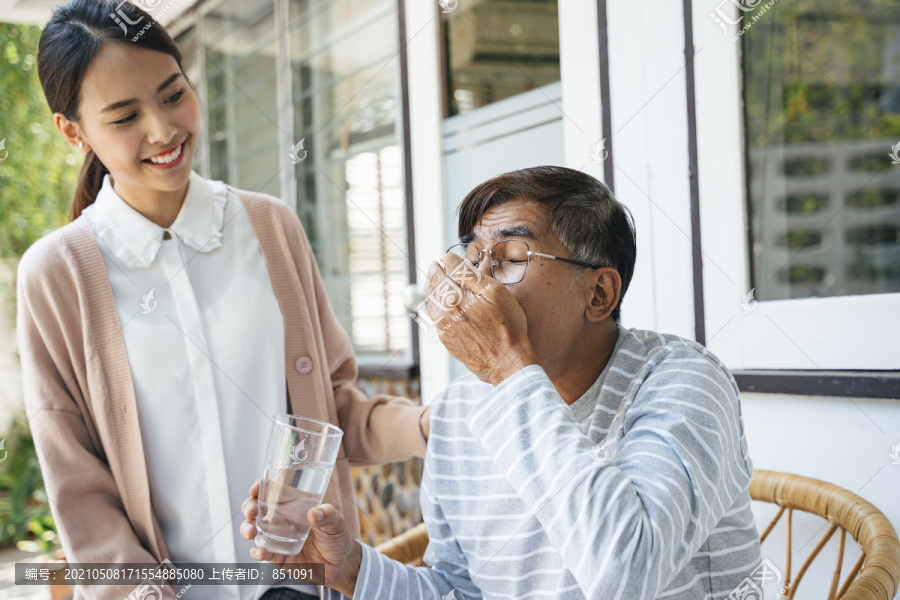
point(24, 510)
point(815, 72)
point(40, 171)
point(38, 175)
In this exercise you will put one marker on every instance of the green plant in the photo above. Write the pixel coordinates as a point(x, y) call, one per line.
point(39, 170)
point(37, 176)
point(25, 516)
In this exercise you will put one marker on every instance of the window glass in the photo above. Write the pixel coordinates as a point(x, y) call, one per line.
point(822, 109)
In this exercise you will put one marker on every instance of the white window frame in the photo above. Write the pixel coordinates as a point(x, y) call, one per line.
point(838, 333)
point(423, 36)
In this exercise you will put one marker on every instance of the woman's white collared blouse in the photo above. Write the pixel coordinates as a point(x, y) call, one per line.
point(204, 336)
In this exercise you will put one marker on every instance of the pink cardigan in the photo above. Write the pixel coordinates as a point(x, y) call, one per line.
point(80, 398)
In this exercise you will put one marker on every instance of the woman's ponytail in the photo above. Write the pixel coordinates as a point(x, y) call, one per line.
point(89, 183)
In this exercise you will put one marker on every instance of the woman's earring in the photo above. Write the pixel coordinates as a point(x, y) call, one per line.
point(81, 144)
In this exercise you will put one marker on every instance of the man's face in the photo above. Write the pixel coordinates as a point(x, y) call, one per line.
point(552, 293)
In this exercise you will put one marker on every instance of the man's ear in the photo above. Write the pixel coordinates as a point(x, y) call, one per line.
point(71, 132)
point(602, 287)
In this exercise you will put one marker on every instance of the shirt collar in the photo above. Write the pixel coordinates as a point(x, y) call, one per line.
point(135, 240)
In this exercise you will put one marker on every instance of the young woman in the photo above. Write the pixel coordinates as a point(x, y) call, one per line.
point(161, 329)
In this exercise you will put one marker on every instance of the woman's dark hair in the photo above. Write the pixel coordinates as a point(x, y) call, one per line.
point(71, 39)
point(593, 226)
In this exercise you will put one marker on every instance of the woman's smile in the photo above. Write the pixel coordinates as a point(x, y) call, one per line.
point(169, 158)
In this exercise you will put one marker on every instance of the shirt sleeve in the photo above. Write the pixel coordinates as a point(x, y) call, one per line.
point(379, 429)
point(624, 525)
point(383, 578)
point(83, 495)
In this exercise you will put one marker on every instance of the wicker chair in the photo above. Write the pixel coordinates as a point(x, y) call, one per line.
point(875, 576)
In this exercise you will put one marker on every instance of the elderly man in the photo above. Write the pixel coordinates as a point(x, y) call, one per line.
point(580, 459)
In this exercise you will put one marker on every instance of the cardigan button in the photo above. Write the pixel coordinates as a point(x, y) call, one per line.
point(304, 365)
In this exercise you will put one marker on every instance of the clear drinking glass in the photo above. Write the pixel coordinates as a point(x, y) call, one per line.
point(299, 460)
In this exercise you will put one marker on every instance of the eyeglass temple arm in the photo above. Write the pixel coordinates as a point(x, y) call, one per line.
point(568, 260)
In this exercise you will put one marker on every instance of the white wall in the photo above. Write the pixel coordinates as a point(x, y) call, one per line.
point(649, 141)
point(844, 441)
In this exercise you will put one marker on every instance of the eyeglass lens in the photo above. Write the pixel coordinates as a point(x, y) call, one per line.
point(510, 259)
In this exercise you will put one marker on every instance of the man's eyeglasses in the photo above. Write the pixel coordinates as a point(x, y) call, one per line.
point(509, 259)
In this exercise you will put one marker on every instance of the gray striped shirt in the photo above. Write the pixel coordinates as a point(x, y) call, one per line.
point(525, 496)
